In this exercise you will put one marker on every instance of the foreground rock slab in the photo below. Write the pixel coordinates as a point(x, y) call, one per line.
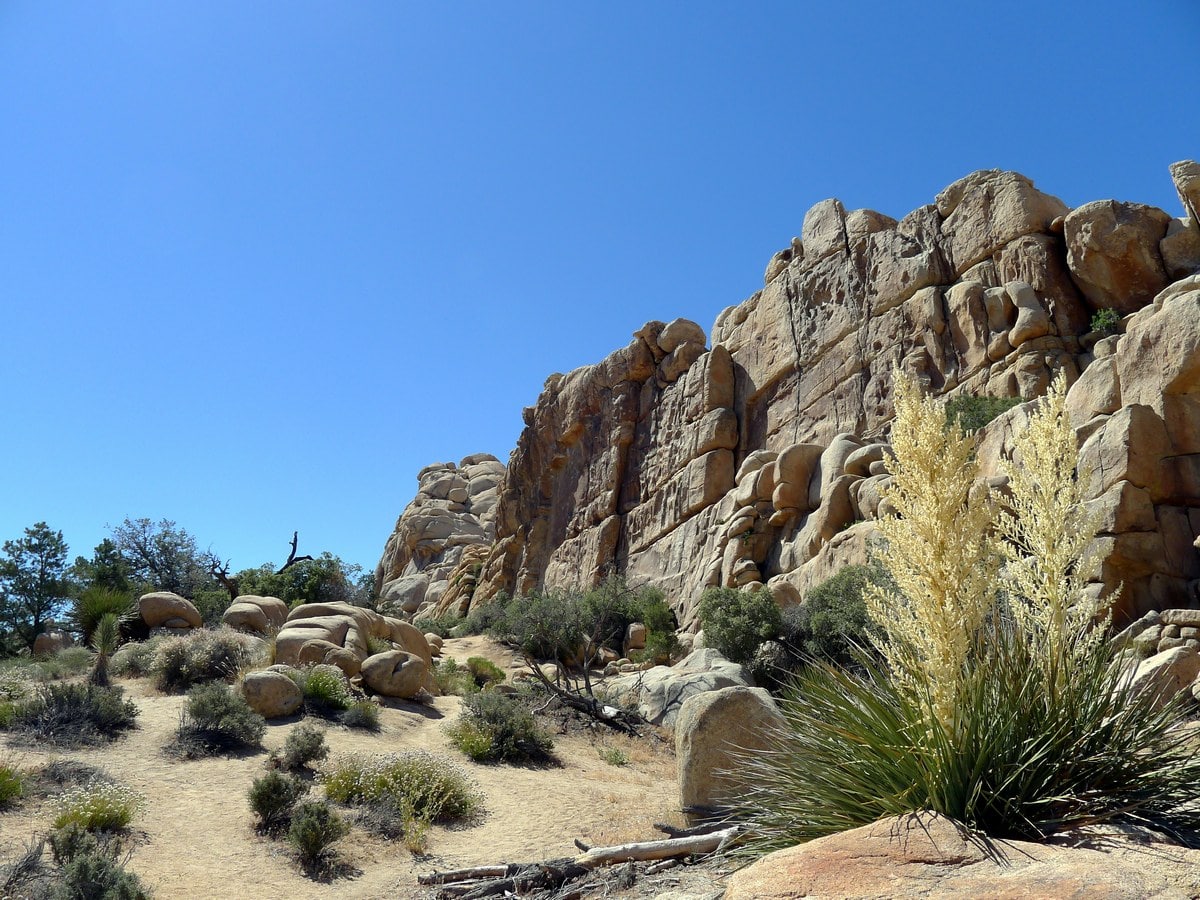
point(926, 855)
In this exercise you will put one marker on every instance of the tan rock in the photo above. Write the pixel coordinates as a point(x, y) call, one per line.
point(1180, 249)
point(1032, 320)
point(710, 732)
point(1167, 673)
point(679, 332)
point(160, 607)
point(1112, 250)
point(271, 694)
point(1186, 175)
point(395, 673)
point(929, 856)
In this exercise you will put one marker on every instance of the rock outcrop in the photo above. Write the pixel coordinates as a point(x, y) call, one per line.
point(164, 609)
point(453, 512)
point(929, 856)
point(758, 456)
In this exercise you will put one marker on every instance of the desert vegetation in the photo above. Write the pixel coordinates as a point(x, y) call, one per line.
point(1006, 711)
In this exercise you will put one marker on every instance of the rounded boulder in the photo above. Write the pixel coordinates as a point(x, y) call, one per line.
point(159, 608)
point(272, 694)
point(394, 673)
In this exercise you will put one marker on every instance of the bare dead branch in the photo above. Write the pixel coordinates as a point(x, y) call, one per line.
point(292, 557)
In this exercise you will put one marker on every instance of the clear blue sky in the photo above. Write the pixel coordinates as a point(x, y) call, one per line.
point(261, 262)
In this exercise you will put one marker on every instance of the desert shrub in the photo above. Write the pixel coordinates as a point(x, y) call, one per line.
point(97, 874)
point(66, 663)
point(325, 689)
point(305, 744)
point(201, 657)
point(432, 788)
point(485, 672)
point(12, 785)
point(483, 617)
point(1006, 711)
point(314, 830)
point(8, 711)
point(217, 719)
point(272, 798)
point(451, 678)
point(135, 659)
point(23, 871)
point(362, 714)
point(97, 806)
point(543, 625)
point(614, 756)
point(441, 625)
point(832, 622)
point(1106, 322)
point(94, 604)
point(71, 840)
point(72, 714)
point(736, 622)
point(498, 727)
point(972, 413)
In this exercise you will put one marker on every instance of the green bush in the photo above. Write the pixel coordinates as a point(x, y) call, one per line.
point(546, 625)
point(832, 623)
point(1106, 322)
point(485, 672)
point(97, 874)
point(441, 626)
point(8, 711)
point(314, 830)
point(325, 689)
point(431, 787)
point(97, 806)
point(483, 617)
point(68, 715)
point(972, 413)
point(218, 719)
point(498, 727)
point(135, 659)
point(203, 656)
point(12, 785)
point(362, 714)
point(614, 756)
point(451, 678)
point(305, 744)
point(736, 622)
point(272, 798)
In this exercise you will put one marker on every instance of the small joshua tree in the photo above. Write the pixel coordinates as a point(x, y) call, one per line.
point(105, 640)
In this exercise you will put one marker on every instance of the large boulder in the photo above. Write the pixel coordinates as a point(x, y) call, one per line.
point(1112, 250)
point(272, 694)
point(929, 856)
point(163, 609)
point(50, 642)
point(1168, 673)
point(660, 692)
point(710, 732)
point(261, 615)
point(394, 673)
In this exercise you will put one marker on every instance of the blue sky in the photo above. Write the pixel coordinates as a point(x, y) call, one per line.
point(260, 263)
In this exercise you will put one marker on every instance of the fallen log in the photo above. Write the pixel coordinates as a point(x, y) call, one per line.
point(470, 874)
point(674, 832)
point(701, 843)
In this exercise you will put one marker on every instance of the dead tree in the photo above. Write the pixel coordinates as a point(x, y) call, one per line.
point(292, 557)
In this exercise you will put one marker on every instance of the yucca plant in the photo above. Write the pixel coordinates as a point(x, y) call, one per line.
point(1009, 712)
point(105, 639)
point(94, 604)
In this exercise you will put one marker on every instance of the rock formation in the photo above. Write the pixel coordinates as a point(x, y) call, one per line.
point(758, 457)
point(453, 512)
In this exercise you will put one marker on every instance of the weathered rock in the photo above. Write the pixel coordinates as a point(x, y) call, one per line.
point(1186, 175)
point(661, 691)
point(271, 694)
point(1180, 249)
point(929, 856)
point(395, 673)
point(50, 642)
point(337, 634)
point(159, 608)
point(257, 614)
point(710, 731)
point(1112, 249)
point(1168, 672)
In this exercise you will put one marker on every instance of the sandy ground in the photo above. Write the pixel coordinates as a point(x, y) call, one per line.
point(195, 836)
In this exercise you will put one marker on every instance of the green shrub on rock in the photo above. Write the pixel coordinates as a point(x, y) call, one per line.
point(736, 622)
point(832, 622)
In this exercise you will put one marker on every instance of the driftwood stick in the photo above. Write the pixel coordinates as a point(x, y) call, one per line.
point(675, 832)
point(662, 866)
point(701, 843)
point(581, 845)
point(463, 874)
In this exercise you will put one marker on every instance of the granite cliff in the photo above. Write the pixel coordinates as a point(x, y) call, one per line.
point(754, 454)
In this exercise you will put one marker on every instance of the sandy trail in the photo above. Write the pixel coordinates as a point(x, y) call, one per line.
point(195, 836)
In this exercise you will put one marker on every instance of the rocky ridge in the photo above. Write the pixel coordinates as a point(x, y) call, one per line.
point(754, 455)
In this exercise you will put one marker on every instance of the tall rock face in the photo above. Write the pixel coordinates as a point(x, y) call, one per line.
point(428, 557)
point(759, 459)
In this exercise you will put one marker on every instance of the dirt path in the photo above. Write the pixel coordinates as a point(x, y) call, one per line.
point(195, 835)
